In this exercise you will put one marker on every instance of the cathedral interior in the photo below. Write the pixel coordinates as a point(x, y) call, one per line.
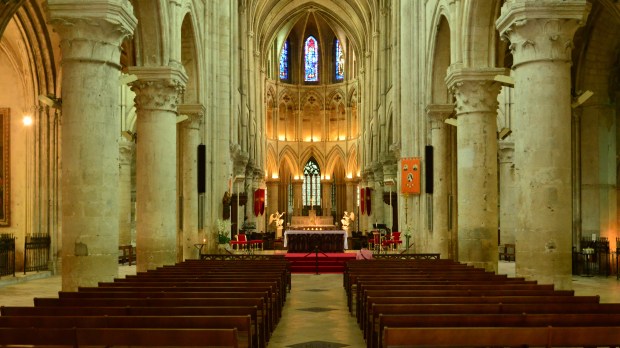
point(147, 122)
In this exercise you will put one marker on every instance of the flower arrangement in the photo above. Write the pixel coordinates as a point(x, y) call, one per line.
point(223, 231)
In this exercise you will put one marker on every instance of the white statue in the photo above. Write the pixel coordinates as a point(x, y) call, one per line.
point(347, 219)
point(277, 217)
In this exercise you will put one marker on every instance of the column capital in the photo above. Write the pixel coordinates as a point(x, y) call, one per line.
point(125, 151)
point(475, 89)
point(438, 113)
point(158, 88)
point(506, 151)
point(541, 30)
point(195, 114)
point(93, 30)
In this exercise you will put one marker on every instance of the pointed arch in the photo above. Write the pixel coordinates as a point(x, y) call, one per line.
point(272, 162)
point(335, 156)
point(312, 151)
point(479, 37)
point(289, 158)
point(352, 167)
point(311, 59)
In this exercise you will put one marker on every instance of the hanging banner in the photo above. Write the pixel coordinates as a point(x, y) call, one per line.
point(363, 201)
point(259, 202)
point(410, 175)
point(368, 201)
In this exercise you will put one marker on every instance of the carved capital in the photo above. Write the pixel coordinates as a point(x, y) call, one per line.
point(474, 89)
point(438, 113)
point(92, 30)
point(506, 151)
point(158, 88)
point(195, 113)
point(542, 30)
point(125, 152)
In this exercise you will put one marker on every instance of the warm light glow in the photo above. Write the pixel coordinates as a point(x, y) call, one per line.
point(274, 175)
point(27, 121)
point(316, 139)
point(296, 177)
point(350, 175)
point(281, 138)
point(358, 174)
point(342, 137)
point(308, 139)
point(327, 177)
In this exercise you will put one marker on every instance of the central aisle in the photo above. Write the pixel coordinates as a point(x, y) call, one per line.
point(316, 315)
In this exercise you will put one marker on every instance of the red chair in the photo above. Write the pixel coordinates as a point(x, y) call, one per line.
point(241, 240)
point(394, 240)
point(256, 239)
point(374, 241)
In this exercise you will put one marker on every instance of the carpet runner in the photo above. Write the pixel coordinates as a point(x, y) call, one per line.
point(327, 263)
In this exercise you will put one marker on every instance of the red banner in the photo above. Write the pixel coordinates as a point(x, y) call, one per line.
point(410, 175)
point(259, 202)
point(368, 200)
point(363, 201)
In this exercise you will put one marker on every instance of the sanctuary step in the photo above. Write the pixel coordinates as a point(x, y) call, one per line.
point(307, 263)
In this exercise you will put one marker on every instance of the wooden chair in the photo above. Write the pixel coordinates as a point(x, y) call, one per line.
point(256, 239)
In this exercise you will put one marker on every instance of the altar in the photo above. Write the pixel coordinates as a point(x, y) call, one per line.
point(327, 241)
point(312, 222)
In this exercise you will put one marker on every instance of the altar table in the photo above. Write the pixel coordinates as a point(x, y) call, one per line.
point(305, 241)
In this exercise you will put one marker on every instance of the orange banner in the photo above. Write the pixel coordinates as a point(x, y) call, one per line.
point(410, 175)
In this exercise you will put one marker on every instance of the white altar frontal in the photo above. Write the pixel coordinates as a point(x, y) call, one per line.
point(312, 222)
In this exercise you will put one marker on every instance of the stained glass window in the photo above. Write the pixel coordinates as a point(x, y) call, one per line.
point(339, 61)
point(284, 62)
point(311, 54)
point(311, 193)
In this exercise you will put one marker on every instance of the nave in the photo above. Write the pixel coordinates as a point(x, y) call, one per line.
point(315, 313)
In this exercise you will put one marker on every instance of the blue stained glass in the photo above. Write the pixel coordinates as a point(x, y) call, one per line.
point(284, 62)
point(311, 52)
point(339, 61)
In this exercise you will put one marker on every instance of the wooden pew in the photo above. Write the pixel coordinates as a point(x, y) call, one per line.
point(75, 337)
point(573, 336)
point(258, 338)
point(241, 323)
point(497, 320)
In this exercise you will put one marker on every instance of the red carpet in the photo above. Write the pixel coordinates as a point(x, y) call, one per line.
point(327, 263)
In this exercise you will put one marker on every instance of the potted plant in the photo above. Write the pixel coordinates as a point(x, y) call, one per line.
point(223, 231)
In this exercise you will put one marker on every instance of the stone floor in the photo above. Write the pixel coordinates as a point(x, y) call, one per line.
point(315, 314)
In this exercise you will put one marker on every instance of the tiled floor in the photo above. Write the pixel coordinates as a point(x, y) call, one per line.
point(315, 314)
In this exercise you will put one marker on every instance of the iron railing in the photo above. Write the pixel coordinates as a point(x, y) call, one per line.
point(7, 254)
point(36, 252)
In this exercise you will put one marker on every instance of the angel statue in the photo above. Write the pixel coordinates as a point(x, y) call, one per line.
point(277, 217)
point(347, 219)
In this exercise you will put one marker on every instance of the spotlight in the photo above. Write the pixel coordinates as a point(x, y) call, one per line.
point(451, 121)
point(50, 101)
point(582, 98)
point(125, 79)
point(505, 80)
point(504, 133)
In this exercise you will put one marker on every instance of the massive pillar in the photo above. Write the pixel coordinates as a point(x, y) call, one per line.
point(352, 205)
point(297, 203)
point(91, 34)
point(326, 201)
point(508, 194)
point(190, 140)
point(441, 233)
point(541, 34)
point(378, 207)
point(273, 186)
point(476, 111)
point(157, 93)
point(126, 151)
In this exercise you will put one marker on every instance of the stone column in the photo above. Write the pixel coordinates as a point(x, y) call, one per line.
point(476, 111)
point(157, 93)
point(189, 166)
point(272, 201)
point(352, 202)
point(541, 34)
point(377, 205)
point(91, 34)
point(507, 194)
point(297, 186)
point(126, 151)
point(441, 233)
point(326, 204)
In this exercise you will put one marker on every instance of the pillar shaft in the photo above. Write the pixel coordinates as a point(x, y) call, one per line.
point(440, 236)
point(476, 111)
point(91, 34)
point(157, 93)
point(297, 187)
point(189, 164)
point(126, 151)
point(508, 194)
point(327, 197)
point(541, 34)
